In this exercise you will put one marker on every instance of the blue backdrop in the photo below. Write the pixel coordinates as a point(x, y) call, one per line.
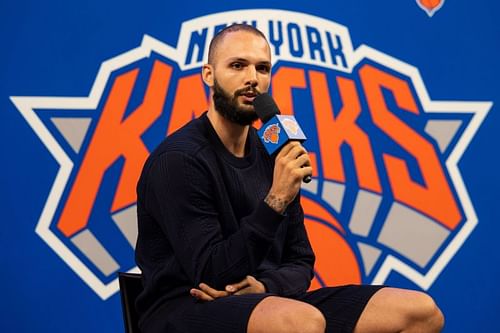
point(51, 278)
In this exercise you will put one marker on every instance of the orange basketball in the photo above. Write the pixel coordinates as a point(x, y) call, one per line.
point(336, 263)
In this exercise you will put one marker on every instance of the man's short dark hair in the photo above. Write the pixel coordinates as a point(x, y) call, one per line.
point(232, 28)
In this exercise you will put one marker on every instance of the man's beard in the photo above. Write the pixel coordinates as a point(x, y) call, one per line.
point(227, 105)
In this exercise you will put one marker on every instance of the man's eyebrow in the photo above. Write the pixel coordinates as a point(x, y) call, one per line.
point(237, 59)
point(263, 62)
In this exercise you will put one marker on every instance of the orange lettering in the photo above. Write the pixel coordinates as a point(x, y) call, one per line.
point(333, 132)
point(435, 197)
point(116, 138)
point(190, 102)
point(284, 80)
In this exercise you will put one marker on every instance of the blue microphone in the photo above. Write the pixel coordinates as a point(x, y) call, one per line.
point(277, 130)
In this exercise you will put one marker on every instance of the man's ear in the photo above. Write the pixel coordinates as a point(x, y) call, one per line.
point(207, 73)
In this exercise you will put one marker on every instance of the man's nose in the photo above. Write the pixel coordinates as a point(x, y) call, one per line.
point(251, 76)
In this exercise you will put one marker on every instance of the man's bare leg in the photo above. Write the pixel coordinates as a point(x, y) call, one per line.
point(389, 310)
point(399, 310)
point(281, 315)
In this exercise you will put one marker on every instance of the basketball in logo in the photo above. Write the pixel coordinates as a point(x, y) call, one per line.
point(336, 263)
point(272, 134)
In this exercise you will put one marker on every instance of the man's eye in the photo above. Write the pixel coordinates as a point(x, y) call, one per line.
point(263, 69)
point(236, 65)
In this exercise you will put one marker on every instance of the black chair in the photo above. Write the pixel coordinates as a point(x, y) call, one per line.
point(130, 288)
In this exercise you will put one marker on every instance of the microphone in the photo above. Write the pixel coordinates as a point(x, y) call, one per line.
point(277, 130)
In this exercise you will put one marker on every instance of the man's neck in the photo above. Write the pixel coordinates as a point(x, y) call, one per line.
point(232, 135)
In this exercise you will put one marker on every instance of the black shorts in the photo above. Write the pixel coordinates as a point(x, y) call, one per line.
point(341, 307)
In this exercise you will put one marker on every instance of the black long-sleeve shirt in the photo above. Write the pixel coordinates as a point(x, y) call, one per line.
point(202, 218)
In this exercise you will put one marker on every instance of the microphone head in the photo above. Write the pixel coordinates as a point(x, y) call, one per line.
point(265, 107)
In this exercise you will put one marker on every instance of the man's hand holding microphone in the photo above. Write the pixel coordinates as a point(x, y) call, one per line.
point(283, 135)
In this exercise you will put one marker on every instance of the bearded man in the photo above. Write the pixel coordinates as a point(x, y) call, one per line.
point(222, 245)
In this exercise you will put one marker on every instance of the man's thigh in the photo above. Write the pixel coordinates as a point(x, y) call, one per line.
point(396, 310)
point(283, 315)
point(338, 307)
point(341, 306)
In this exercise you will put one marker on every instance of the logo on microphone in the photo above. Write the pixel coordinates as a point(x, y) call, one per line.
point(272, 134)
point(385, 155)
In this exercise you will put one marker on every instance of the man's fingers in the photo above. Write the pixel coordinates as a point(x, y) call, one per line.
point(200, 295)
point(291, 151)
point(243, 291)
point(253, 286)
point(237, 286)
point(302, 160)
point(306, 171)
point(244, 286)
point(286, 149)
point(251, 279)
point(211, 291)
point(298, 151)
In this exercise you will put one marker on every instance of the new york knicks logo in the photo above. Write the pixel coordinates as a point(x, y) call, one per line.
point(272, 134)
point(386, 195)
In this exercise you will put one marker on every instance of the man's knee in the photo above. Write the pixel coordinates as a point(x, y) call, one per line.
point(400, 310)
point(426, 312)
point(305, 319)
point(277, 315)
point(312, 321)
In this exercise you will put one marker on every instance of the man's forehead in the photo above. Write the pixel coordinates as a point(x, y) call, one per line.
point(235, 43)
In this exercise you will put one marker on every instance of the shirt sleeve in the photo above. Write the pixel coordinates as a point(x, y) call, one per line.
point(180, 198)
point(293, 277)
